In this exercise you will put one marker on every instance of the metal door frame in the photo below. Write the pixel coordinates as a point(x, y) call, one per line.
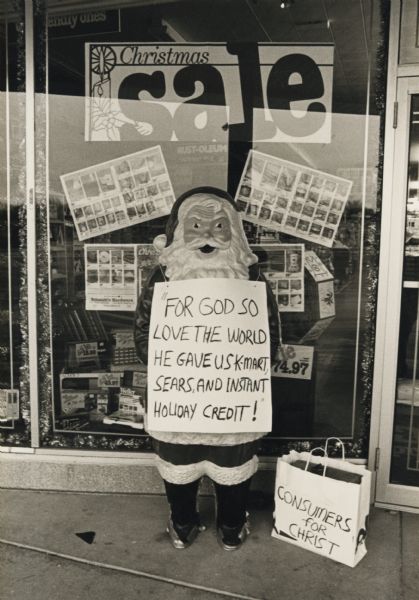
point(391, 271)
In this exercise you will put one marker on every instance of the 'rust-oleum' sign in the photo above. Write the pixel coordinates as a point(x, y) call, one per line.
point(196, 92)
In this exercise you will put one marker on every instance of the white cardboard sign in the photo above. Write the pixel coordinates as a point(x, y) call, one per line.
point(209, 357)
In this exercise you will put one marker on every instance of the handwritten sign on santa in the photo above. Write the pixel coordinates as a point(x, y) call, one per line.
point(209, 357)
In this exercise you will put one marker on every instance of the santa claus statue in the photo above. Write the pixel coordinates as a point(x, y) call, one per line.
point(204, 239)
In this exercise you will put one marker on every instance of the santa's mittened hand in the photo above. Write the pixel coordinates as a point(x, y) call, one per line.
point(159, 242)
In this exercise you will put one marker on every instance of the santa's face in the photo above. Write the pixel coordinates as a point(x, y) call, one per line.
point(207, 229)
point(208, 241)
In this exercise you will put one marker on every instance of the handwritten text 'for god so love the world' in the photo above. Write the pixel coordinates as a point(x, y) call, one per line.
point(209, 357)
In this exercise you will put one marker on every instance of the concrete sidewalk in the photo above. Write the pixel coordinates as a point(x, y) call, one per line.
point(131, 557)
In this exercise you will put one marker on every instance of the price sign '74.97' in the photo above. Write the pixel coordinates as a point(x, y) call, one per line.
point(294, 362)
point(201, 93)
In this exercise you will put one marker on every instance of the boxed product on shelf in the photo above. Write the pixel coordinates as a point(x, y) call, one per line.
point(320, 287)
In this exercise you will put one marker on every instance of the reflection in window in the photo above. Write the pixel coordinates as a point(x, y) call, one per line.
point(14, 399)
point(299, 153)
point(405, 458)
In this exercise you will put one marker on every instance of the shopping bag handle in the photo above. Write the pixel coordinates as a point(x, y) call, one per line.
point(341, 444)
point(310, 455)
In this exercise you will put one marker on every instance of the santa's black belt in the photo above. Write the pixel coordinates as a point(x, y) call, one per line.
point(222, 456)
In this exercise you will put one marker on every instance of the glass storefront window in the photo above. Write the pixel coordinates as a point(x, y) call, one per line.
point(14, 375)
point(146, 102)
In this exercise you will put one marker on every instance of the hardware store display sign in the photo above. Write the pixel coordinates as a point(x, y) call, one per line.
point(292, 198)
point(118, 193)
point(195, 92)
point(111, 276)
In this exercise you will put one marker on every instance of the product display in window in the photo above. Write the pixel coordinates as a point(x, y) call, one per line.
point(107, 278)
point(101, 383)
point(283, 267)
point(322, 281)
point(91, 399)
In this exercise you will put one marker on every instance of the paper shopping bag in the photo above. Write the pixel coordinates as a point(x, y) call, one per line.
point(325, 513)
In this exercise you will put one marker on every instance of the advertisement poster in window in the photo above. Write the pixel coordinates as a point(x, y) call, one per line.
point(111, 276)
point(151, 91)
point(292, 198)
point(119, 193)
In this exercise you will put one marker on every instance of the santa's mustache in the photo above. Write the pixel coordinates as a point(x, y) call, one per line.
point(200, 243)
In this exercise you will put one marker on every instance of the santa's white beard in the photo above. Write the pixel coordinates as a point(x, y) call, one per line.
point(183, 263)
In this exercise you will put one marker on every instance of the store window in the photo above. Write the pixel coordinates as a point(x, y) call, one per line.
point(14, 373)
point(273, 102)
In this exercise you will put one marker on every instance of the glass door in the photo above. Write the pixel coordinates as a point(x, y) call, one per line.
point(398, 477)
